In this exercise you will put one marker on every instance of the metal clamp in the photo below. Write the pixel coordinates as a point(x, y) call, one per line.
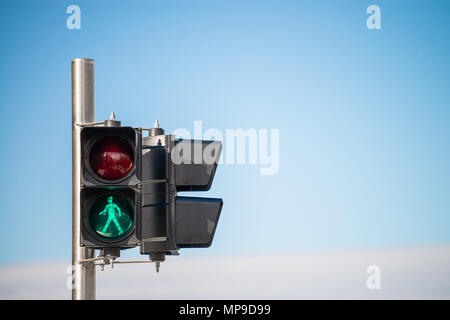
point(90, 124)
point(110, 259)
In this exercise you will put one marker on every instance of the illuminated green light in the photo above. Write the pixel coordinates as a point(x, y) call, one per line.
point(111, 216)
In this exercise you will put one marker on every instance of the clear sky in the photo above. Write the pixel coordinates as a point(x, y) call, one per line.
point(363, 114)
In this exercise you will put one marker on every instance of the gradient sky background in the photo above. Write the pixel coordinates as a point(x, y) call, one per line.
point(363, 115)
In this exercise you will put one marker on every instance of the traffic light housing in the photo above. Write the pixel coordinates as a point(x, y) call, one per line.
point(110, 187)
point(196, 221)
point(170, 222)
point(195, 163)
point(129, 191)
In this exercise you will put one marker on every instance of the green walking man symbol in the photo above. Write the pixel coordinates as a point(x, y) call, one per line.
point(111, 208)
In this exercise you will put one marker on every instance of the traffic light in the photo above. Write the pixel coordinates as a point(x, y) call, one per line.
point(124, 189)
point(168, 221)
point(110, 186)
point(129, 190)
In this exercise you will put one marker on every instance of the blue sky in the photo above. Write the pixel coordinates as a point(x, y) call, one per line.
point(363, 114)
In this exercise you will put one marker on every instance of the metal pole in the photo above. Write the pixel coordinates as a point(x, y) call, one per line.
point(82, 111)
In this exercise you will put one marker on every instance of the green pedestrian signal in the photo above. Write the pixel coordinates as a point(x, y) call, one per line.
point(111, 216)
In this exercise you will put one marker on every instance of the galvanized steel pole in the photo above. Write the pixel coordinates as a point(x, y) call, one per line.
point(83, 110)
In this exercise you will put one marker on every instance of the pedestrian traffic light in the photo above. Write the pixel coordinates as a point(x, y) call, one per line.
point(124, 189)
point(110, 186)
point(129, 190)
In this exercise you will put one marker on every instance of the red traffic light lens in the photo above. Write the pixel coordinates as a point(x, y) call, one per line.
point(111, 157)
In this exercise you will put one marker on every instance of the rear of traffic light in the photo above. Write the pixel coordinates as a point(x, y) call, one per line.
point(170, 222)
point(110, 182)
point(195, 166)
